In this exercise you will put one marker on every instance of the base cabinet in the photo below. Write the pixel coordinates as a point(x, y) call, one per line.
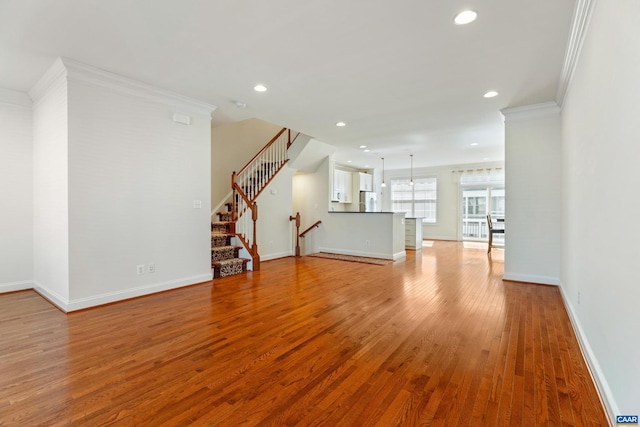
point(413, 233)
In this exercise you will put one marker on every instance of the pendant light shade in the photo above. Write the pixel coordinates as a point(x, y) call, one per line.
point(411, 180)
point(383, 183)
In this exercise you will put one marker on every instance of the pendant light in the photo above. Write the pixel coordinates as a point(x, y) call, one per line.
point(411, 180)
point(383, 183)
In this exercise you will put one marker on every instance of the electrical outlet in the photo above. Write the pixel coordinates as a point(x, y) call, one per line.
point(151, 268)
point(367, 243)
point(140, 269)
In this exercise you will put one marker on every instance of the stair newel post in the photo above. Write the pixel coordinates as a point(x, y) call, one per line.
point(254, 246)
point(297, 218)
point(234, 207)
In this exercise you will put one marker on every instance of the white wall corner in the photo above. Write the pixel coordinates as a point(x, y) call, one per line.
point(533, 111)
point(602, 386)
point(579, 25)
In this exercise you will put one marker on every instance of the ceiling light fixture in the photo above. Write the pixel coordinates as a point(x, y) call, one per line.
point(383, 183)
point(366, 150)
point(363, 146)
point(473, 144)
point(260, 88)
point(341, 124)
point(411, 179)
point(465, 17)
point(490, 94)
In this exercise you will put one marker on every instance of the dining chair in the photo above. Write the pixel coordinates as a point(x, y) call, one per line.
point(492, 231)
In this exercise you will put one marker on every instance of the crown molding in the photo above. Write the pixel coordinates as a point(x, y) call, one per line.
point(579, 26)
point(75, 71)
point(54, 74)
point(15, 98)
point(530, 111)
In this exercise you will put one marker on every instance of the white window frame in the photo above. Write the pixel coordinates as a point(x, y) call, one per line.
point(409, 199)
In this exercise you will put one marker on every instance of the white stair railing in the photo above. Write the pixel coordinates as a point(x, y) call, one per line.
point(250, 181)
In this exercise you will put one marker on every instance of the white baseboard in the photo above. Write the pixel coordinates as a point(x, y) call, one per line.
point(275, 255)
point(606, 396)
point(359, 253)
point(530, 278)
point(16, 286)
point(81, 303)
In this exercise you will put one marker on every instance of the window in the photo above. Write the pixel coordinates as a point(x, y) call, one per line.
point(417, 200)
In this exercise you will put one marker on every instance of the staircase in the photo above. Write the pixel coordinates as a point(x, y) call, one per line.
point(242, 211)
point(225, 259)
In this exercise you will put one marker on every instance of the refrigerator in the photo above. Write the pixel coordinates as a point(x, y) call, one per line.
point(367, 201)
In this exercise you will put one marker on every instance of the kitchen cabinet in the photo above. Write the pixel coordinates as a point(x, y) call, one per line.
point(413, 233)
point(364, 181)
point(342, 186)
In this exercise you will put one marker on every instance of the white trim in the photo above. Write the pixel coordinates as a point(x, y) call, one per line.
point(53, 74)
point(22, 285)
point(602, 386)
point(276, 255)
point(579, 25)
point(15, 98)
point(79, 72)
point(109, 297)
point(531, 278)
point(527, 112)
point(394, 257)
point(53, 297)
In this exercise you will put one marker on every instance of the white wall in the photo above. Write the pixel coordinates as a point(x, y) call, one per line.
point(125, 177)
point(51, 186)
point(601, 148)
point(533, 194)
point(275, 231)
point(232, 146)
point(16, 192)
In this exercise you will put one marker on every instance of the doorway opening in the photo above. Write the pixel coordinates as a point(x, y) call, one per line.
point(477, 201)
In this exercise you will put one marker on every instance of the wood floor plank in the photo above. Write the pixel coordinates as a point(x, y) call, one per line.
point(437, 339)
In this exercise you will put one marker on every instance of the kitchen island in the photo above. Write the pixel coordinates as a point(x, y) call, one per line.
point(370, 234)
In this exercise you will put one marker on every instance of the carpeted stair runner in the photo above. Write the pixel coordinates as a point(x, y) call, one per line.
point(225, 260)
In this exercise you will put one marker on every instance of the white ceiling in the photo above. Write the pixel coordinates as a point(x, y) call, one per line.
point(404, 78)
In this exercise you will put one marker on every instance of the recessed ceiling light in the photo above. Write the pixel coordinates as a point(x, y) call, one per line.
point(490, 94)
point(367, 150)
point(341, 124)
point(348, 161)
point(260, 88)
point(473, 144)
point(486, 158)
point(363, 146)
point(465, 17)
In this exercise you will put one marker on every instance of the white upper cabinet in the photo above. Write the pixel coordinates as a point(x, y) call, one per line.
point(342, 186)
point(365, 181)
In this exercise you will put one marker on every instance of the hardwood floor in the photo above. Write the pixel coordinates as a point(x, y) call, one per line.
point(438, 339)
